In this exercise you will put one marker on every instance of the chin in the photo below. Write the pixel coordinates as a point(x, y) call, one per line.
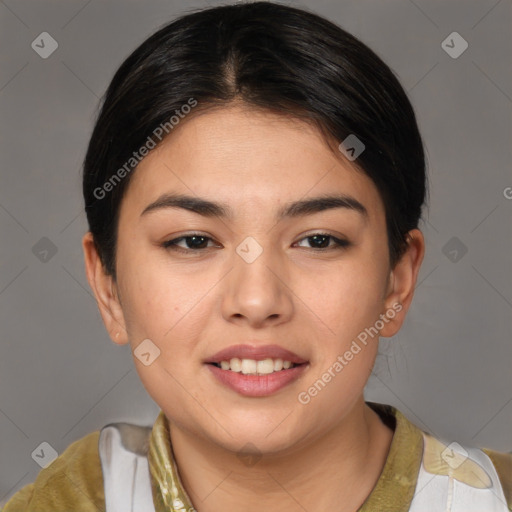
point(261, 436)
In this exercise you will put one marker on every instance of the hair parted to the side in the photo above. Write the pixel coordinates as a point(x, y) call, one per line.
point(270, 56)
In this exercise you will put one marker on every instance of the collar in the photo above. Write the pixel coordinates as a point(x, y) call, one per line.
point(393, 491)
point(395, 487)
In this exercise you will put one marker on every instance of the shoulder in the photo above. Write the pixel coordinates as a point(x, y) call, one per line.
point(446, 473)
point(73, 481)
point(473, 472)
point(503, 464)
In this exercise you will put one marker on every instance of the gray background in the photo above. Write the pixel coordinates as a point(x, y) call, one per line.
point(448, 370)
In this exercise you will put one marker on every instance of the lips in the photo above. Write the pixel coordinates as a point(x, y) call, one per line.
point(246, 359)
point(258, 353)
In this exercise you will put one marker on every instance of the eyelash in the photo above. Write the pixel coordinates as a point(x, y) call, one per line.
point(172, 244)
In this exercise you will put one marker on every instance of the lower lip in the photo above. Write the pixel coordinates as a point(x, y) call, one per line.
point(257, 385)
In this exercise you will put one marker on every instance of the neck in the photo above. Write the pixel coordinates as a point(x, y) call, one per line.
point(336, 471)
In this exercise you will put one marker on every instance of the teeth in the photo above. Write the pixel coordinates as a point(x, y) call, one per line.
point(249, 366)
point(253, 367)
point(278, 365)
point(265, 366)
point(235, 364)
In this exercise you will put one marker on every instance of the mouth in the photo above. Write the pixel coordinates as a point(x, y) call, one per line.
point(256, 370)
point(254, 367)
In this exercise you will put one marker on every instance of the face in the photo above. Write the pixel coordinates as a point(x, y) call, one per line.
point(266, 273)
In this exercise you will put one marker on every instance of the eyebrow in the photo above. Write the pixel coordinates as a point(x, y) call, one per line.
point(294, 209)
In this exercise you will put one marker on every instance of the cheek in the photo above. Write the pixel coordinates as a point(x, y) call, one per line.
point(163, 305)
point(347, 307)
point(345, 297)
point(154, 297)
point(168, 305)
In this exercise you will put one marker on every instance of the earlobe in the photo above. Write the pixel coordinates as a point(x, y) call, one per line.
point(402, 282)
point(104, 289)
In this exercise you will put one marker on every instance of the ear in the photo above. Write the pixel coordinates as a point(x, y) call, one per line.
point(105, 291)
point(402, 281)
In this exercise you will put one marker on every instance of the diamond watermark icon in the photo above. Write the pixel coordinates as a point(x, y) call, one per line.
point(44, 454)
point(351, 147)
point(146, 352)
point(454, 455)
point(454, 249)
point(249, 454)
point(249, 249)
point(44, 45)
point(454, 45)
point(44, 249)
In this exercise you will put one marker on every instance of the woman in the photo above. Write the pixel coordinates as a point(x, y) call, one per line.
point(253, 188)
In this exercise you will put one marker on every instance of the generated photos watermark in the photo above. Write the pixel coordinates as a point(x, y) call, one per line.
point(158, 134)
point(304, 397)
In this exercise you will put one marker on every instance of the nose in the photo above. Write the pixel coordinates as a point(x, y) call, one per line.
point(258, 292)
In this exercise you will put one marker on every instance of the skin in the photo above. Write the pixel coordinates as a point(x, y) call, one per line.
point(329, 453)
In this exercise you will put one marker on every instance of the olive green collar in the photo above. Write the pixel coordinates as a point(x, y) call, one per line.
point(395, 487)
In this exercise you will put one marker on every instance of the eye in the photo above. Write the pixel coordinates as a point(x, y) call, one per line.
point(320, 241)
point(194, 242)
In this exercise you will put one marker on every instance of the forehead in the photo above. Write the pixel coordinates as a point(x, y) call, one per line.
point(248, 157)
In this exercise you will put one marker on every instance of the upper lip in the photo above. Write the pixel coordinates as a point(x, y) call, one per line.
point(256, 352)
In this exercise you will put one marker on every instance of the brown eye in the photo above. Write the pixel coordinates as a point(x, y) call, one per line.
point(192, 243)
point(321, 241)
